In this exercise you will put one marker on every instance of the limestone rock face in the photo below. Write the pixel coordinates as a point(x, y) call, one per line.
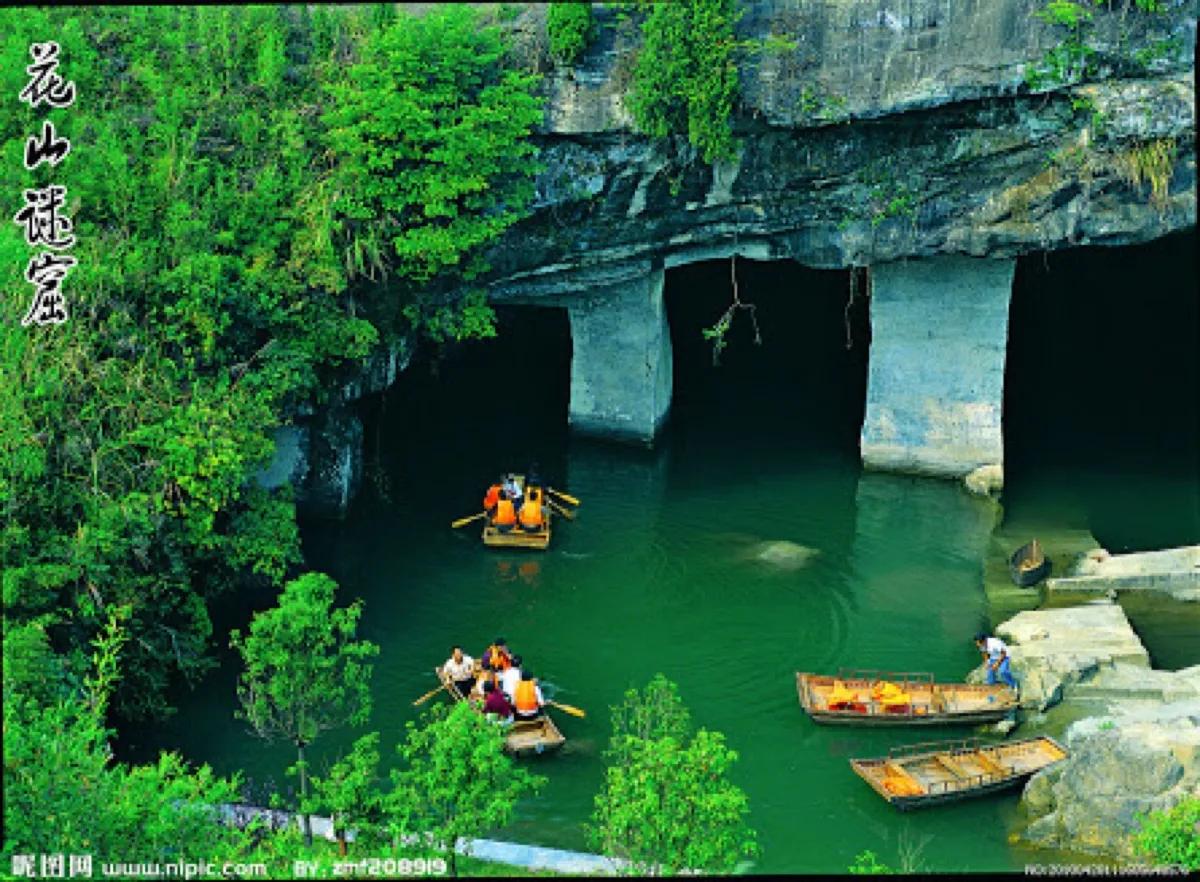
point(1053, 649)
point(1138, 759)
point(869, 132)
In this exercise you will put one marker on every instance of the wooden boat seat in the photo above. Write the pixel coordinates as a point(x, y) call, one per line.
point(951, 766)
point(990, 764)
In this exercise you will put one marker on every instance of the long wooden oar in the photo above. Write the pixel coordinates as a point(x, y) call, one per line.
point(463, 521)
point(569, 515)
point(568, 708)
point(567, 496)
point(428, 695)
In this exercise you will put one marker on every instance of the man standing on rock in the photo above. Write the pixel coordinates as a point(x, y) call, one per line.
point(996, 659)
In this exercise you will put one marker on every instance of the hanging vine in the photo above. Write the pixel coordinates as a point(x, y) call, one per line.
point(717, 332)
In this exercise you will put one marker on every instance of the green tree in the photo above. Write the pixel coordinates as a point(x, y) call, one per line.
point(686, 76)
point(457, 781)
point(571, 28)
point(430, 134)
point(1172, 836)
point(350, 791)
point(304, 673)
point(63, 793)
point(667, 804)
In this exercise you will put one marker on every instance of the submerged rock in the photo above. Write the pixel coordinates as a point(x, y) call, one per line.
point(783, 554)
point(1137, 759)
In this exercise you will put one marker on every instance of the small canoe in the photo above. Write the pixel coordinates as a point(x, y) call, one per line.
point(524, 737)
point(1029, 564)
point(518, 537)
point(885, 698)
point(920, 775)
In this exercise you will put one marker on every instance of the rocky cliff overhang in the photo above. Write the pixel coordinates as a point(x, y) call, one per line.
point(882, 129)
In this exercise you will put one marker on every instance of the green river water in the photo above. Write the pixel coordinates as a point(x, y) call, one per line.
point(659, 574)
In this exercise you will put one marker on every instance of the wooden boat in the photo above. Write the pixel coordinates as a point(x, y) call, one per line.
point(858, 698)
point(920, 775)
point(518, 537)
point(524, 737)
point(1029, 564)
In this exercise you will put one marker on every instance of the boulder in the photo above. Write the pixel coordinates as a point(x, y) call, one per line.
point(783, 554)
point(985, 480)
point(1053, 649)
point(1136, 759)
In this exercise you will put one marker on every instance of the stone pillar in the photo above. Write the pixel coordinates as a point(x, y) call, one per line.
point(621, 360)
point(939, 331)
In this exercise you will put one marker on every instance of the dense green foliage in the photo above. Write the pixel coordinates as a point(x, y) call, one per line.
point(571, 29)
point(223, 185)
point(80, 803)
point(430, 134)
point(1172, 837)
point(304, 672)
point(667, 804)
point(456, 779)
point(686, 79)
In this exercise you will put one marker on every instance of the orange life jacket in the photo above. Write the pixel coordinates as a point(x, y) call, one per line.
point(525, 700)
point(498, 660)
point(493, 496)
point(531, 515)
point(505, 513)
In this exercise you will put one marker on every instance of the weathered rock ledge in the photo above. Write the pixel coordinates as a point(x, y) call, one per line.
point(1172, 571)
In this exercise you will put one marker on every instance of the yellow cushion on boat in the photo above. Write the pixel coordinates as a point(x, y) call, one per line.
point(896, 698)
point(840, 694)
point(883, 689)
point(901, 786)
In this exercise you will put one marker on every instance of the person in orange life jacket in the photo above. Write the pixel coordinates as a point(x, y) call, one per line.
point(461, 669)
point(497, 657)
point(506, 515)
point(530, 516)
point(511, 677)
point(495, 704)
point(513, 491)
point(492, 496)
point(528, 702)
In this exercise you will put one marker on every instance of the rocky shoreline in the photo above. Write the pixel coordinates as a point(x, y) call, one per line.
point(1135, 740)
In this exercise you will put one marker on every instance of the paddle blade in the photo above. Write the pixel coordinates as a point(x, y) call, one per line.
point(463, 521)
point(570, 709)
point(567, 496)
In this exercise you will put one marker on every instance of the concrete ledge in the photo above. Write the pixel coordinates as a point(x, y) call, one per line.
point(1172, 571)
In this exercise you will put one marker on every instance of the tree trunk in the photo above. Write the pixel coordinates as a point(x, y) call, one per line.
point(304, 821)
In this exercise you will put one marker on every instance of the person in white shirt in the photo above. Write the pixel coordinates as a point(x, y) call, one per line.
point(461, 669)
point(510, 677)
point(513, 491)
point(996, 658)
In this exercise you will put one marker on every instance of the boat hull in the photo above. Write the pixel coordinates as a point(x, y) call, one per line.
point(516, 537)
point(1027, 578)
point(524, 737)
point(931, 775)
point(933, 704)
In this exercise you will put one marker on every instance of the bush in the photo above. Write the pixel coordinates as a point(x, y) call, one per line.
point(1172, 836)
point(571, 29)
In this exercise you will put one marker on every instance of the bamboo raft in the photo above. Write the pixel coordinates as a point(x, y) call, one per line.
point(858, 698)
point(523, 737)
point(921, 775)
point(518, 537)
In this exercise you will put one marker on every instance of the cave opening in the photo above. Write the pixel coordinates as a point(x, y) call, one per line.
point(804, 387)
point(463, 411)
point(1101, 391)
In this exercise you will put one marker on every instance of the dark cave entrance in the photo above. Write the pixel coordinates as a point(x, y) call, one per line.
point(803, 387)
point(1101, 391)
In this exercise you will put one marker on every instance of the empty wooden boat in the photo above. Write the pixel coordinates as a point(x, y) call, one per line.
point(518, 537)
point(1029, 564)
point(886, 698)
point(523, 737)
point(920, 775)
